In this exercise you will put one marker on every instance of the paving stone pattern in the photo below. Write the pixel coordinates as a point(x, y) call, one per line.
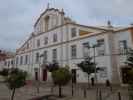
point(30, 91)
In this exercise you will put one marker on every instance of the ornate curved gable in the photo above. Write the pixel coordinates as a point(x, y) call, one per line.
point(49, 19)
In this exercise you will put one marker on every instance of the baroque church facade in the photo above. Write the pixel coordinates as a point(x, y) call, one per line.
point(60, 39)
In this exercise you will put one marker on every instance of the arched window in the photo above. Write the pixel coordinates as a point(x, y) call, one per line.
point(46, 23)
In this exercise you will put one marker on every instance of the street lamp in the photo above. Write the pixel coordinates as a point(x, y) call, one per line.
point(38, 80)
point(94, 55)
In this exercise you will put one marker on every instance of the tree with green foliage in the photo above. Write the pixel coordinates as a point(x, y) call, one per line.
point(129, 60)
point(4, 72)
point(129, 77)
point(87, 66)
point(52, 67)
point(16, 78)
point(61, 77)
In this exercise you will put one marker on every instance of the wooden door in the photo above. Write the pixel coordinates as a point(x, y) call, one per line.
point(36, 75)
point(44, 75)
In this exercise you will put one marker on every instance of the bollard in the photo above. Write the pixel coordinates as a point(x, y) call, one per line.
point(84, 93)
point(107, 83)
point(97, 94)
point(72, 90)
point(111, 88)
point(92, 81)
point(100, 95)
point(119, 96)
point(52, 89)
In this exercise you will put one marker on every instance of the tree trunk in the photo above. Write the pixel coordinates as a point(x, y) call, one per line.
point(13, 93)
point(60, 92)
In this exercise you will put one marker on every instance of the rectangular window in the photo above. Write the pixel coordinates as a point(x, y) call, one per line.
point(46, 23)
point(45, 55)
point(46, 40)
point(55, 38)
point(8, 63)
point(21, 60)
point(12, 62)
point(101, 47)
point(37, 57)
point(73, 32)
point(86, 49)
point(103, 72)
point(17, 59)
point(123, 46)
point(38, 43)
point(54, 55)
point(26, 59)
point(73, 51)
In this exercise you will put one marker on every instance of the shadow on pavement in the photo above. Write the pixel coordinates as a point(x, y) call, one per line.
point(47, 97)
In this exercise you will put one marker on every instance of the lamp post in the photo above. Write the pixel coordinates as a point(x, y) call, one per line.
point(94, 50)
point(38, 81)
point(94, 57)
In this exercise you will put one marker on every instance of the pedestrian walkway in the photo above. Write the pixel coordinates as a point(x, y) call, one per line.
point(79, 92)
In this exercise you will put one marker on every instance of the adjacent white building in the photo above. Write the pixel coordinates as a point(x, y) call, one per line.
point(60, 39)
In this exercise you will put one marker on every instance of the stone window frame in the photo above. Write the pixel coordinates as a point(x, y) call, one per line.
point(54, 55)
point(101, 47)
point(45, 40)
point(73, 51)
point(85, 46)
point(73, 32)
point(37, 57)
point(55, 37)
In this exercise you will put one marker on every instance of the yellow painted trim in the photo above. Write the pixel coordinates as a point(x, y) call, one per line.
point(131, 32)
point(82, 32)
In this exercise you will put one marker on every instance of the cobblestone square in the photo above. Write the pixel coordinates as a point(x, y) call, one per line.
point(30, 91)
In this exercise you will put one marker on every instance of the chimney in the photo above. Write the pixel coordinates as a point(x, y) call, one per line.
point(48, 6)
point(62, 11)
point(109, 24)
point(62, 16)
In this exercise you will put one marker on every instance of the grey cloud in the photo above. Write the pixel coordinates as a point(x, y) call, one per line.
point(17, 17)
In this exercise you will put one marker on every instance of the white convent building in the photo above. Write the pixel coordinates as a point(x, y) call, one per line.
point(60, 39)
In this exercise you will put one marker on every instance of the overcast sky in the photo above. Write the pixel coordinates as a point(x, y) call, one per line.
point(17, 17)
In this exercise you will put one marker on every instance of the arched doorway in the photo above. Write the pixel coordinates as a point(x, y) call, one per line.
point(36, 74)
point(44, 74)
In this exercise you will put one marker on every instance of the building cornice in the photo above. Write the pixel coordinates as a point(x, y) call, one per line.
point(60, 27)
point(70, 24)
point(124, 29)
point(57, 44)
point(103, 30)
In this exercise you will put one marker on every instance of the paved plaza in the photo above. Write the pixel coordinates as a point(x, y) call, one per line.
point(30, 91)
